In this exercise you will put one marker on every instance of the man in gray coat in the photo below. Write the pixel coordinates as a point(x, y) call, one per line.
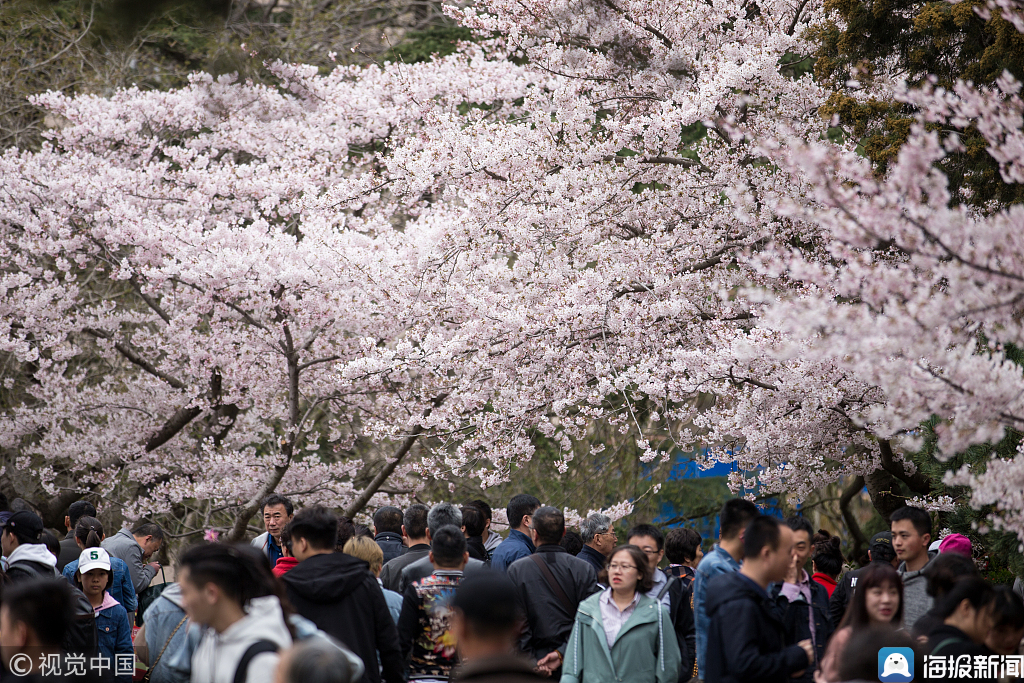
point(911, 534)
point(135, 547)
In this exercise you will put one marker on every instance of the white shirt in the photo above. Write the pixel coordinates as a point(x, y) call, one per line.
point(612, 618)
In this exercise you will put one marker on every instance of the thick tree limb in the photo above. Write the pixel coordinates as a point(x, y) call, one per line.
point(849, 493)
point(253, 504)
point(54, 509)
point(917, 482)
point(133, 356)
point(676, 161)
point(884, 490)
point(175, 424)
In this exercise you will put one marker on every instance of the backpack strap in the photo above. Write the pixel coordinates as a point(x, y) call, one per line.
point(257, 648)
point(667, 587)
point(549, 578)
point(944, 643)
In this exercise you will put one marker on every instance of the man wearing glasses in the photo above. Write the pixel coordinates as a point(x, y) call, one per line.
point(598, 540)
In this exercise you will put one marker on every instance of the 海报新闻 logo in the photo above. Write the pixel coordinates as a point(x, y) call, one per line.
point(896, 665)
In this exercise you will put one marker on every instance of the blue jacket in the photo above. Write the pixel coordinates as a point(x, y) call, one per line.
point(390, 544)
point(115, 638)
point(122, 590)
point(161, 618)
point(517, 546)
point(715, 562)
point(797, 625)
point(746, 635)
point(394, 601)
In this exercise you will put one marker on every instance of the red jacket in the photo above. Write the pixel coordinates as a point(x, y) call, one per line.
point(824, 579)
point(286, 563)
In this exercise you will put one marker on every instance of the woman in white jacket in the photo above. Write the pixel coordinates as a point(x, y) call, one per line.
point(230, 590)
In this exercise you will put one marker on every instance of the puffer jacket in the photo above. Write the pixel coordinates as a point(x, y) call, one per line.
point(644, 651)
point(390, 544)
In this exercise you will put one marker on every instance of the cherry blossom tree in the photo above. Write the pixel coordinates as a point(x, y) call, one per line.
point(916, 292)
point(230, 289)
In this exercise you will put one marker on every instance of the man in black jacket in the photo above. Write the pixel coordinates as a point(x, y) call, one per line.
point(22, 542)
point(338, 593)
point(414, 534)
point(682, 549)
point(441, 515)
point(550, 585)
point(387, 522)
point(745, 632)
point(599, 540)
point(880, 550)
point(485, 624)
point(35, 619)
point(802, 602)
point(69, 550)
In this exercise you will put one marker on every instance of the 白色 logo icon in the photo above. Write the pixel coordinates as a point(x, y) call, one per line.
point(896, 665)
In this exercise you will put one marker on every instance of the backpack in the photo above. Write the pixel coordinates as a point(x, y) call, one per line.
point(82, 637)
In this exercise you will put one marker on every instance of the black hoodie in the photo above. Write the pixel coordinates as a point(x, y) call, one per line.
point(746, 637)
point(338, 593)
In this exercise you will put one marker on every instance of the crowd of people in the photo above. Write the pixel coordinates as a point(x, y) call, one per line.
point(434, 594)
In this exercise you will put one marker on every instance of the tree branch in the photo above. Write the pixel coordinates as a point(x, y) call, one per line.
point(382, 476)
point(647, 27)
point(884, 491)
point(917, 482)
point(136, 359)
point(675, 161)
point(175, 424)
point(849, 493)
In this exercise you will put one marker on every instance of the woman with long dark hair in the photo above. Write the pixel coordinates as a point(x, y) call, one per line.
point(620, 634)
point(1008, 628)
point(968, 615)
point(877, 602)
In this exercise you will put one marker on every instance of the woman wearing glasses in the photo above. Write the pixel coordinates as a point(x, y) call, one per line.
point(620, 634)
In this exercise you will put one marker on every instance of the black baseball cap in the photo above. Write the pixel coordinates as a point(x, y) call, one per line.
point(27, 526)
point(881, 546)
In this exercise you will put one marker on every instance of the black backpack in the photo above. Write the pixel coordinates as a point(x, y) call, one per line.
point(83, 636)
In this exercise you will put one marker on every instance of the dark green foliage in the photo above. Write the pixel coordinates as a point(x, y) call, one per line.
point(947, 40)
point(998, 550)
point(422, 46)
